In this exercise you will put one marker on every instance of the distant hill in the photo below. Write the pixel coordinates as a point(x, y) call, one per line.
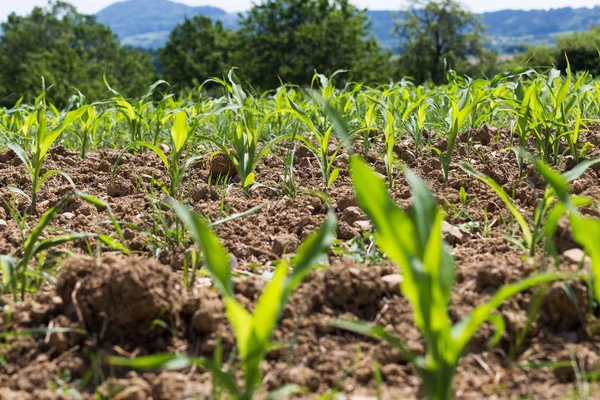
point(147, 23)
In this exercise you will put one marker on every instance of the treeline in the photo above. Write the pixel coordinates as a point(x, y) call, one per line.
point(277, 41)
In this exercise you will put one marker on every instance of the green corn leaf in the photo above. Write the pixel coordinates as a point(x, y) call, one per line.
point(586, 232)
point(30, 242)
point(242, 323)
point(52, 172)
point(333, 177)
point(500, 326)
point(19, 192)
point(233, 217)
point(395, 233)
point(51, 137)
point(558, 183)
point(49, 243)
point(249, 179)
point(156, 150)
point(41, 331)
point(313, 251)
point(153, 362)
point(579, 169)
point(217, 260)
point(8, 265)
point(236, 88)
point(268, 307)
point(464, 330)
point(113, 243)
point(377, 332)
point(175, 362)
point(527, 235)
point(424, 208)
point(179, 132)
point(21, 154)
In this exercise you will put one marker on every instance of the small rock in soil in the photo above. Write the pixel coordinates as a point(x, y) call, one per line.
point(285, 243)
point(304, 377)
point(351, 215)
point(68, 215)
point(391, 283)
point(363, 226)
point(453, 234)
point(345, 202)
point(345, 231)
point(3, 225)
point(69, 161)
point(574, 255)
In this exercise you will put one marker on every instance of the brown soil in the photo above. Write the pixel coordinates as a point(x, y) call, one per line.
point(136, 305)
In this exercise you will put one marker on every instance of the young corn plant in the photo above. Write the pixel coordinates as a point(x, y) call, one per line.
point(252, 331)
point(246, 152)
point(458, 116)
point(390, 140)
point(547, 211)
point(414, 242)
point(16, 274)
point(180, 135)
point(415, 125)
point(586, 230)
point(87, 126)
point(45, 135)
point(321, 149)
point(134, 113)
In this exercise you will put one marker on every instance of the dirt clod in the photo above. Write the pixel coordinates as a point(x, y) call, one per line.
point(119, 299)
point(285, 243)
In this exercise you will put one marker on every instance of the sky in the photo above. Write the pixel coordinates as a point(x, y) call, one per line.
point(92, 6)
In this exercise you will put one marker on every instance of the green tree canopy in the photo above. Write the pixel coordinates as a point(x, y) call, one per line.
point(433, 32)
point(69, 50)
point(582, 50)
point(290, 39)
point(197, 49)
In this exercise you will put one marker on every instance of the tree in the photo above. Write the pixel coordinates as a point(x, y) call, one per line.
point(197, 49)
point(582, 50)
point(435, 33)
point(290, 39)
point(69, 50)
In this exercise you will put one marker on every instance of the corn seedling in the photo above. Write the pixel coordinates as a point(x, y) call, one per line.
point(246, 153)
point(134, 114)
point(414, 242)
point(15, 270)
point(43, 138)
point(547, 212)
point(180, 134)
point(252, 331)
point(88, 124)
point(458, 116)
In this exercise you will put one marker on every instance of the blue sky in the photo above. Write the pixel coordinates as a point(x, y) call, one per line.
point(92, 6)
